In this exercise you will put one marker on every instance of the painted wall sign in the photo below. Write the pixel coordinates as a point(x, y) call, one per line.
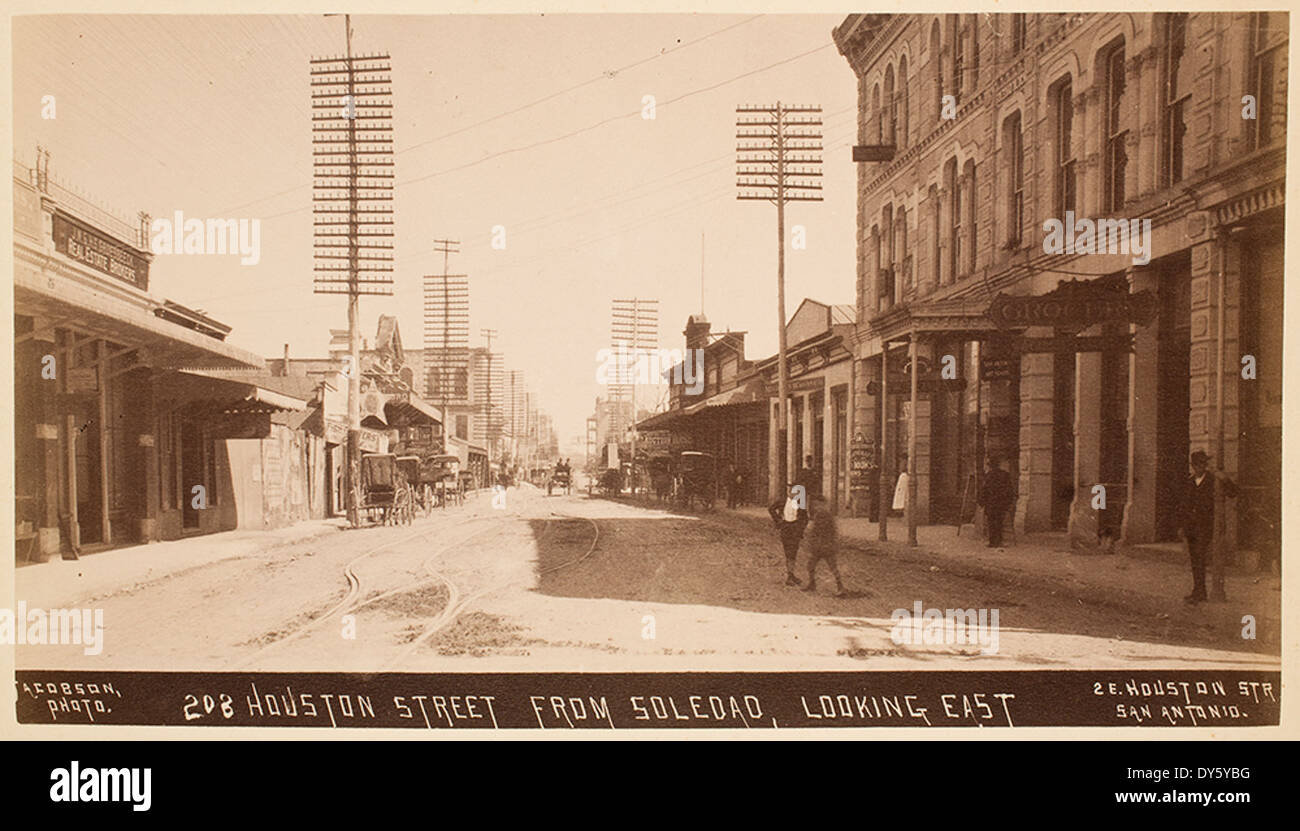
point(101, 252)
point(1073, 305)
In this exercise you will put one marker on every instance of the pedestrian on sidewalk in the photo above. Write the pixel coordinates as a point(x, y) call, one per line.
point(900, 489)
point(996, 497)
point(791, 515)
point(729, 482)
point(1197, 523)
point(823, 544)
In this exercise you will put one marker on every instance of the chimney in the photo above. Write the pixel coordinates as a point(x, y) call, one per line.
point(696, 332)
point(285, 370)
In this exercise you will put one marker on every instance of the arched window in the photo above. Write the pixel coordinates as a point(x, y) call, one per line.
point(1268, 42)
point(875, 264)
point(877, 116)
point(1063, 147)
point(953, 187)
point(1175, 98)
point(968, 177)
point(936, 67)
point(902, 277)
point(1013, 149)
point(1017, 33)
point(902, 102)
point(891, 110)
point(957, 66)
point(1115, 134)
point(885, 288)
point(935, 230)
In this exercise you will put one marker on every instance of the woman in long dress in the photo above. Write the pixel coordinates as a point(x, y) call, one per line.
point(900, 489)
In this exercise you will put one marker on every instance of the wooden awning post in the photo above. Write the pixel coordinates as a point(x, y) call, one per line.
point(886, 485)
point(911, 446)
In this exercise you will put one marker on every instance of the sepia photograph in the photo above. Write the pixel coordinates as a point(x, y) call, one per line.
point(647, 370)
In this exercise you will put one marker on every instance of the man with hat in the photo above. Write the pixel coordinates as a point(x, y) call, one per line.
point(1198, 522)
point(996, 496)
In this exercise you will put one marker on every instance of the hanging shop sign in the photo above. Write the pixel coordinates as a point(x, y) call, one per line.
point(862, 462)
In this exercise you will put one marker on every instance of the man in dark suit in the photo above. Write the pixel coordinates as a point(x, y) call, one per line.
point(1197, 521)
point(996, 497)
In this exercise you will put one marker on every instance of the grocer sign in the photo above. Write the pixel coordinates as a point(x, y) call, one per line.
point(1073, 305)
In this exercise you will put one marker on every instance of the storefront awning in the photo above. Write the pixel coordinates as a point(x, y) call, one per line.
point(225, 393)
point(403, 408)
point(751, 392)
point(76, 304)
point(469, 446)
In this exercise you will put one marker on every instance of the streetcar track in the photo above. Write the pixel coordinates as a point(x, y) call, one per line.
point(349, 601)
point(455, 607)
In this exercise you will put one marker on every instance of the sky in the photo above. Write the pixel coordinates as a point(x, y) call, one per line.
point(531, 122)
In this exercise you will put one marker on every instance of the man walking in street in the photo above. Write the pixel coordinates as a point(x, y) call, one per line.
point(809, 478)
point(791, 516)
point(996, 497)
point(823, 542)
point(1197, 521)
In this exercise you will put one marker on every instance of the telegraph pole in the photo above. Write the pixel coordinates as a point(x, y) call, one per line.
point(489, 334)
point(514, 410)
point(635, 326)
point(353, 143)
point(779, 155)
point(446, 322)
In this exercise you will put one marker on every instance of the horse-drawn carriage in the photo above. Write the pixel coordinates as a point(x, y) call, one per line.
point(660, 474)
point(561, 479)
point(433, 475)
point(386, 494)
point(467, 482)
point(697, 479)
point(539, 476)
point(443, 474)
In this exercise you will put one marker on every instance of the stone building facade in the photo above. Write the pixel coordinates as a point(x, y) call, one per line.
point(982, 129)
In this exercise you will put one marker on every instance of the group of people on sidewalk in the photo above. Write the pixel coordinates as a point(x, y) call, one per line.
point(803, 508)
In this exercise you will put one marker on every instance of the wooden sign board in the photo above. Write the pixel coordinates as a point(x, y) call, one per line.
point(1074, 305)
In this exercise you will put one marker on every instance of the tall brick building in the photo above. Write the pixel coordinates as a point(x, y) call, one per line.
point(981, 128)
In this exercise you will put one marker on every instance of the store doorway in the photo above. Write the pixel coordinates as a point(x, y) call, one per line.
point(191, 475)
point(1062, 439)
point(84, 460)
point(1173, 391)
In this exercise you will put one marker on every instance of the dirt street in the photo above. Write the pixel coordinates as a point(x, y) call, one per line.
point(571, 583)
